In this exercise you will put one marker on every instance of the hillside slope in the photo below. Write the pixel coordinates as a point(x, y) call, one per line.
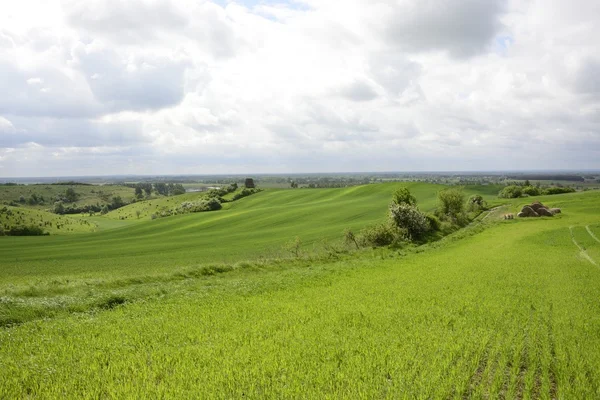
point(255, 226)
point(509, 312)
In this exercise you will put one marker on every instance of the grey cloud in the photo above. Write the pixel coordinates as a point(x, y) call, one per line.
point(60, 132)
point(50, 92)
point(393, 71)
point(359, 90)
point(587, 78)
point(463, 28)
point(150, 84)
point(126, 21)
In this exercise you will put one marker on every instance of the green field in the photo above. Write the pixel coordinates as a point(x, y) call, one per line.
point(500, 309)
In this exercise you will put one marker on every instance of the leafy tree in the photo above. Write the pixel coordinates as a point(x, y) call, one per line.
point(71, 195)
point(527, 183)
point(139, 192)
point(138, 213)
point(476, 203)
point(117, 202)
point(409, 219)
point(59, 208)
point(403, 196)
point(451, 203)
point(249, 183)
point(21, 199)
point(104, 209)
point(531, 190)
point(511, 192)
point(294, 185)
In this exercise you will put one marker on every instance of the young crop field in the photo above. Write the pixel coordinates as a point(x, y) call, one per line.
point(501, 309)
point(254, 227)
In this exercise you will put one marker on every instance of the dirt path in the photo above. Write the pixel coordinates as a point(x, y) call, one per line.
point(582, 251)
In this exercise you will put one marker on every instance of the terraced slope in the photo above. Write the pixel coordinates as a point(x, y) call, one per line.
point(509, 312)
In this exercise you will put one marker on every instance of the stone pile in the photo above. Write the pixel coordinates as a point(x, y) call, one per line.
point(537, 209)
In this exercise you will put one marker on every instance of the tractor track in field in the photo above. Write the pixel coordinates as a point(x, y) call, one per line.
point(587, 228)
point(582, 251)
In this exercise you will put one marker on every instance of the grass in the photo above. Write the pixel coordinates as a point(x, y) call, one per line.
point(51, 223)
point(251, 228)
point(503, 310)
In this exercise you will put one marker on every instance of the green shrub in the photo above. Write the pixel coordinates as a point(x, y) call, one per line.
point(476, 203)
point(531, 191)
point(409, 219)
point(558, 190)
point(451, 202)
point(31, 230)
point(403, 196)
point(511, 192)
point(378, 235)
point(434, 222)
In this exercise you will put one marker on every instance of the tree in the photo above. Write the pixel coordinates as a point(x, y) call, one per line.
point(527, 183)
point(138, 213)
point(1, 230)
point(249, 183)
point(104, 209)
point(59, 208)
point(117, 202)
point(451, 202)
point(293, 185)
point(71, 195)
point(408, 218)
point(403, 196)
point(476, 203)
point(139, 192)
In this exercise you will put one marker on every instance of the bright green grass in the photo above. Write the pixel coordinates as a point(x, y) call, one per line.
point(153, 206)
point(252, 227)
point(510, 312)
point(51, 223)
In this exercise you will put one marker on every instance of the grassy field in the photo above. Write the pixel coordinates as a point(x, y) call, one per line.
point(503, 309)
point(51, 223)
point(250, 228)
point(88, 194)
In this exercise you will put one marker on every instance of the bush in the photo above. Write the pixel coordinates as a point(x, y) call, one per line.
point(409, 219)
point(511, 192)
point(558, 190)
point(402, 196)
point(476, 203)
point(451, 202)
point(531, 191)
point(211, 204)
point(434, 222)
point(31, 230)
point(378, 235)
point(1, 230)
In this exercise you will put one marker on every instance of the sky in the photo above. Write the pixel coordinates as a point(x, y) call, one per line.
point(105, 87)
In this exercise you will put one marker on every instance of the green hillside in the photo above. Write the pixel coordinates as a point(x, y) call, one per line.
point(47, 195)
point(53, 224)
point(502, 309)
point(252, 227)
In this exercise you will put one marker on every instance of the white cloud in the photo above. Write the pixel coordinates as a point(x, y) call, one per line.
point(160, 86)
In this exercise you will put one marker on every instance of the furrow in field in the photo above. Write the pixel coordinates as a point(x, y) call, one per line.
point(587, 228)
point(582, 251)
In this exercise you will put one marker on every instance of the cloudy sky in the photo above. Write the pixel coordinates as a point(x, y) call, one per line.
point(100, 87)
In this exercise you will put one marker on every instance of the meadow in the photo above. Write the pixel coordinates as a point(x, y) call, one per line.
point(500, 309)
